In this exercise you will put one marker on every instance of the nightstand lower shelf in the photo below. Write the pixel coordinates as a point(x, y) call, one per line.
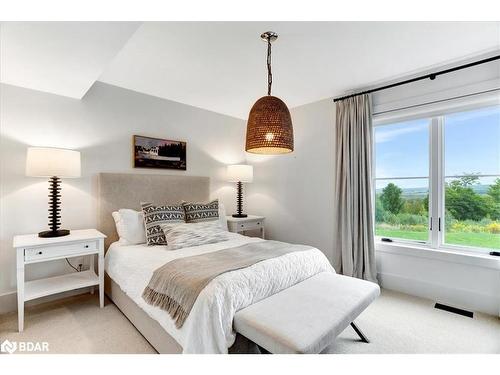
point(58, 284)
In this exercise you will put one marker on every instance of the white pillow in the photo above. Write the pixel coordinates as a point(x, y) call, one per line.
point(130, 226)
point(180, 235)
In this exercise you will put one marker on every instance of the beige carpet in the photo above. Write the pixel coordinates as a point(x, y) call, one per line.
point(77, 325)
point(395, 323)
point(399, 323)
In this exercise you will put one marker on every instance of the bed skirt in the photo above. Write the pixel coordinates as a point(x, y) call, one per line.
point(153, 332)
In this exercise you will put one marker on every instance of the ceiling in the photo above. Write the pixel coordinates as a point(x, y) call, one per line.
point(63, 58)
point(220, 66)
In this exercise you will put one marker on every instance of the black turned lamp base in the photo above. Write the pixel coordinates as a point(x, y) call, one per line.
point(239, 201)
point(53, 233)
point(54, 210)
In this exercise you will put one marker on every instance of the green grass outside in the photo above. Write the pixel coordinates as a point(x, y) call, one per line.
point(488, 240)
point(405, 234)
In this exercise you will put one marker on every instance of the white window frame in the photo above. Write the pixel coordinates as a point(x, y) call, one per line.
point(436, 227)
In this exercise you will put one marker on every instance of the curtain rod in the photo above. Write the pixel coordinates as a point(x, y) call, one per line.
point(431, 76)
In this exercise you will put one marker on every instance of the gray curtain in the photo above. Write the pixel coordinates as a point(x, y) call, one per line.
point(354, 252)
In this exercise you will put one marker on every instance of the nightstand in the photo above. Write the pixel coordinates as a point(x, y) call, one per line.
point(32, 249)
point(243, 224)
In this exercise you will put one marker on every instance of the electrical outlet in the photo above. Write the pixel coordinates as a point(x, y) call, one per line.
point(80, 263)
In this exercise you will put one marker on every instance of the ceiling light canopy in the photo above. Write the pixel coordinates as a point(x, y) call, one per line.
point(269, 126)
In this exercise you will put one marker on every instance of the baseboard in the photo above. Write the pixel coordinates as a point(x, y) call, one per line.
point(458, 297)
point(8, 301)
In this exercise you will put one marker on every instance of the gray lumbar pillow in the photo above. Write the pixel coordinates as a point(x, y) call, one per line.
point(193, 234)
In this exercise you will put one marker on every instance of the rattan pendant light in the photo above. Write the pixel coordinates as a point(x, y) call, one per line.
point(269, 126)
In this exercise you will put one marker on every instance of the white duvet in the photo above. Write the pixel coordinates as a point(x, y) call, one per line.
point(209, 327)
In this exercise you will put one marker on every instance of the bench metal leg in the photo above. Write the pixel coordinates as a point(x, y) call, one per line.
point(360, 334)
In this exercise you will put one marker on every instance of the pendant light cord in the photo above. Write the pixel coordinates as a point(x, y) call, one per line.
point(269, 73)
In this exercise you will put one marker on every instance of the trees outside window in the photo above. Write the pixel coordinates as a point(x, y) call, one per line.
point(463, 203)
point(391, 198)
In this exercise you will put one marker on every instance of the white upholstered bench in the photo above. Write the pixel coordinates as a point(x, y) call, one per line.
point(308, 316)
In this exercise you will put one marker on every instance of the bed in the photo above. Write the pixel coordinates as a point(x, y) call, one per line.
point(209, 326)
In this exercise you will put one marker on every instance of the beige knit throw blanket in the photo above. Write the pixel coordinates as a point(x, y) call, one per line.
point(175, 286)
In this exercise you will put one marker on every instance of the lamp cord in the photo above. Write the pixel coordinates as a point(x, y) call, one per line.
point(269, 73)
point(71, 265)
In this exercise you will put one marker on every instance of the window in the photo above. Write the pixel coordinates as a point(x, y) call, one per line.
point(437, 180)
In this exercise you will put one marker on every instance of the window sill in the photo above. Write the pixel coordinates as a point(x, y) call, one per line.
point(442, 254)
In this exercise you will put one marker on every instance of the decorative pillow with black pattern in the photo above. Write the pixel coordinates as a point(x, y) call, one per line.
point(199, 212)
point(156, 215)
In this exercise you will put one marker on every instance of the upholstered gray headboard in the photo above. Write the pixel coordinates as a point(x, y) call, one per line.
point(126, 190)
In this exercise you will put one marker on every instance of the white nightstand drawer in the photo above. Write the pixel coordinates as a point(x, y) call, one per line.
point(246, 224)
point(55, 251)
point(250, 225)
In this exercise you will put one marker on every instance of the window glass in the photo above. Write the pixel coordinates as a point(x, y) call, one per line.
point(472, 142)
point(402, 209)
point(402, 149)
point(472, 178)
point(402, 180)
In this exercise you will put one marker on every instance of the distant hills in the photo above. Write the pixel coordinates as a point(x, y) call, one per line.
point(413, 193)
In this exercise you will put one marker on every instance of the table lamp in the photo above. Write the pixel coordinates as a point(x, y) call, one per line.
point(239, 174)
point(53, 163)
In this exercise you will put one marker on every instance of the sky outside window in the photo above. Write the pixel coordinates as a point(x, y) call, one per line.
point(472, 142)
point(402, 150)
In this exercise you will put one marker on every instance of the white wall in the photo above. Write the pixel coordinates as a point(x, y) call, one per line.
point(460, 280)
point(294, 191)
point(101, 126)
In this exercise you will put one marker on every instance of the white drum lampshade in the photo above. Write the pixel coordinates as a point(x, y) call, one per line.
point(49, 162)
point(239, 173)
point(53, 163)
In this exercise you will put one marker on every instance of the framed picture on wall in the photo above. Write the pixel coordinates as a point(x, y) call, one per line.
point(159, 153)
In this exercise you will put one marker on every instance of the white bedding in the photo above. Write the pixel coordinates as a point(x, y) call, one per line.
point(208, 329)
